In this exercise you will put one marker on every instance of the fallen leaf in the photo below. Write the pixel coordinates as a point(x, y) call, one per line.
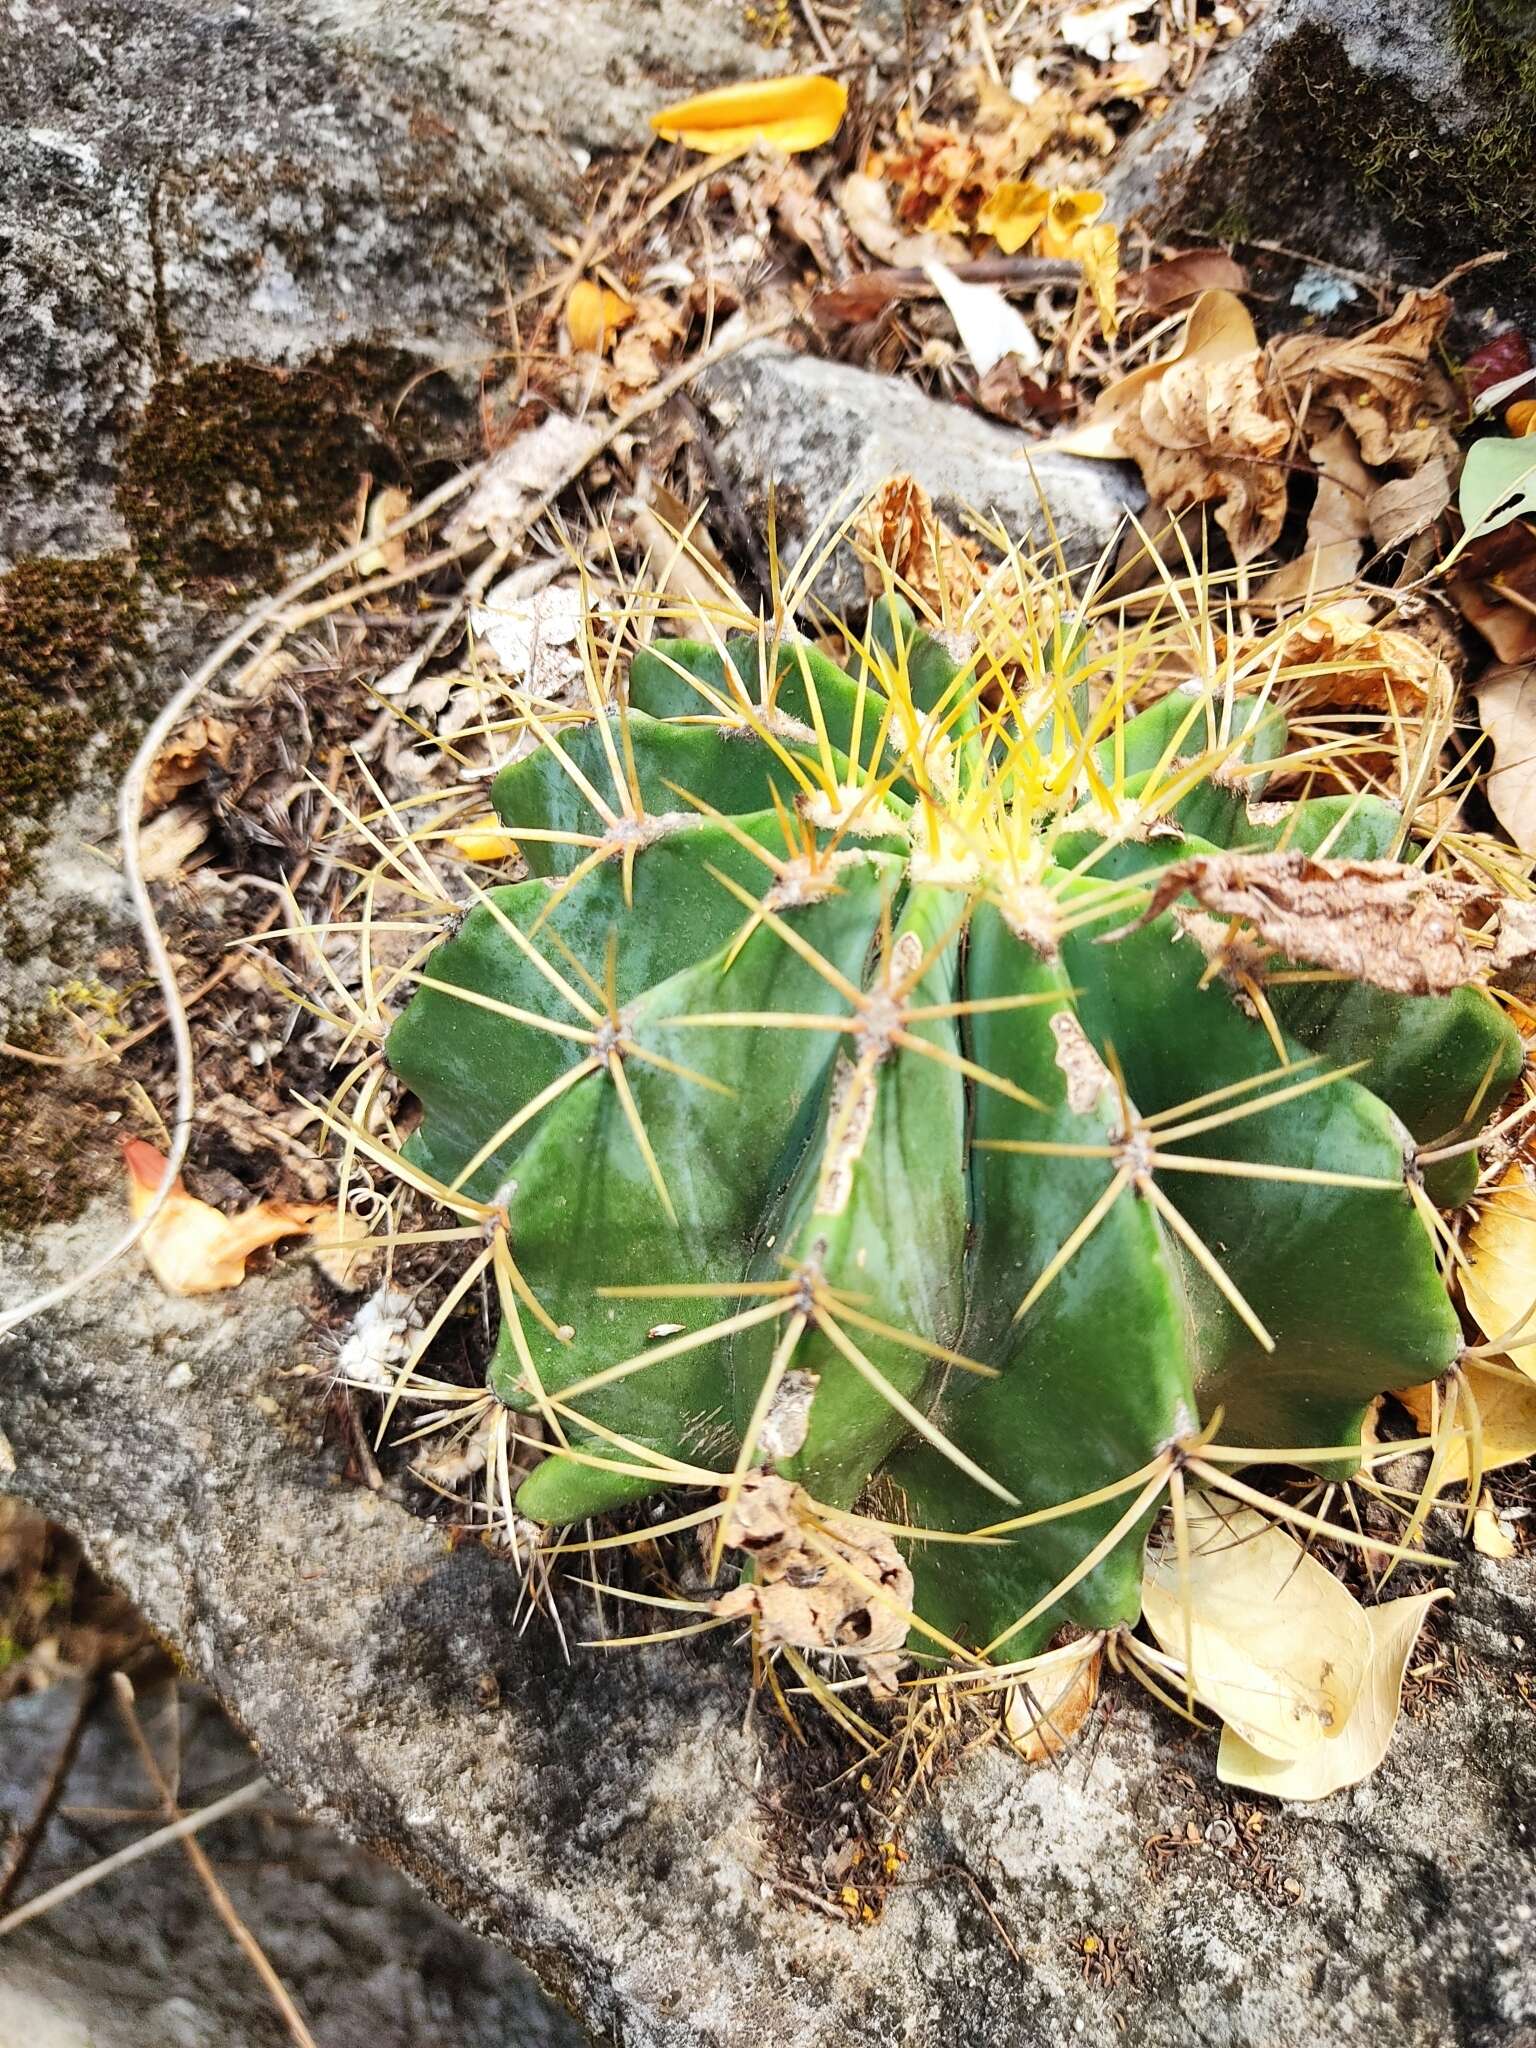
point(1374, 381)
point(535, 637)
point(388, 557)
point(1098, 251)
point(1498, 1278)
point(168, 842)
point(1181, 277)
point(1506, 704)
point(185, 759)
point(1336, 525)
point(1332, 658)
point(191, 1247)
point(1494, 589)
point(593, 316)
point(1042, 1714)
point(812, 1573)
point(1514, 952)
point(1498, 484)
point(1102, 32)
point(1521, 417)
point(899, 530)
point(1200, 425)
point(1379, 921)
point(535, 463)
point(1359, 1745)
point(1013, 214)
point(789, 114)
point(1490, 1537)
point(1066, 217)
point(1406, 505)
point(344, 1249)
point(1275, 1644)
point(989, 327)
point(683, 562)
point(1204, 432)
point(866, 206)
point(1506, 1413)
point(1506, 358)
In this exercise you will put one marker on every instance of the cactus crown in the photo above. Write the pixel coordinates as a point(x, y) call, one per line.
point(940, 1085)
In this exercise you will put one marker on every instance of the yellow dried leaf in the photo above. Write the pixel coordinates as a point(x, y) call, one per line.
point(1332, 658)
point(1066, 217)
point(1359, 1745)
point(385, 509)
point(1490, 1538)
point(191, 1247)
point(1276, 1646)
point(1520, 418)
point(1013, 213)
point(1506, 1414)
point(594, 315)
point(790, 114)
point(1044, 1713)
point(1098, 251)
point(1499, 1278)
point(1218, 330)
point(1506, 705)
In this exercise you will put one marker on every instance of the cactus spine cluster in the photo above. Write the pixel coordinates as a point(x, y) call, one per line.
point(850, 1117)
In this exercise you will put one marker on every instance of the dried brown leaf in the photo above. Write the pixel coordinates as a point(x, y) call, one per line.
point(1506, 704)
point(805, 1598)
point(900, 529)
point(1375, 381)
point(1377, 921)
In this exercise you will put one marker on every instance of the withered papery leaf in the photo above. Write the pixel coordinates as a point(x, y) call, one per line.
point(814, 1574)
point(1374, 920)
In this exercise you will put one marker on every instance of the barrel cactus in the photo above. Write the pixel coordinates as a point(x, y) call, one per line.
point(937, 1085)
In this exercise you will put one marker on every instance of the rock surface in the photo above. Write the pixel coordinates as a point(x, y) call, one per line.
point(1395, 138)
point(824, 434)
point(185, 183)
point(613, 1818)
point(141, 1961)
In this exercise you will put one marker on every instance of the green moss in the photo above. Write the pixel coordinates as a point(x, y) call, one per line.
point(236, 467)
point(1325, 140)
point(69, 632)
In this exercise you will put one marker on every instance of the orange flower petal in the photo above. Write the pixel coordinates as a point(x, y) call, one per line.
point(1069, 214)
point(1013, 213)
point(1521, 417)
point(789, 114)
point(191, 1247)
point(594, 315)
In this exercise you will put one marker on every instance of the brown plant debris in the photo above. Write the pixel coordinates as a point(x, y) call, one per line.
point(820, 1578)
point(1377, 921)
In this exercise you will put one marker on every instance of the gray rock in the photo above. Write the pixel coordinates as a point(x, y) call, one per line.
point(1393, 138)
point(620, 1821)
point(142, 1961)
point(824, 434)
point(182, 183)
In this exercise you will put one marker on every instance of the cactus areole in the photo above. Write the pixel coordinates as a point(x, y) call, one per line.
point(937, 1086)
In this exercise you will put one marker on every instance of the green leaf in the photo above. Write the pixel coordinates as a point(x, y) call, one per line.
point(1498, 484)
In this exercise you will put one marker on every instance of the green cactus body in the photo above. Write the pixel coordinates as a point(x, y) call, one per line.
point(825, 1050)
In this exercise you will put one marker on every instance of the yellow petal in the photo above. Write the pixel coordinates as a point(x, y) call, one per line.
point(1499, 1280)
point(1361, 1743)
point(1067, 214)
point(1276, 1646)
point(1013, 213)
point(486, 839)
point(784, 113)
point(594, 315)
point(191, 1247)
point(1506, 1413)
point(1521, 417)
point(1098, 251)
